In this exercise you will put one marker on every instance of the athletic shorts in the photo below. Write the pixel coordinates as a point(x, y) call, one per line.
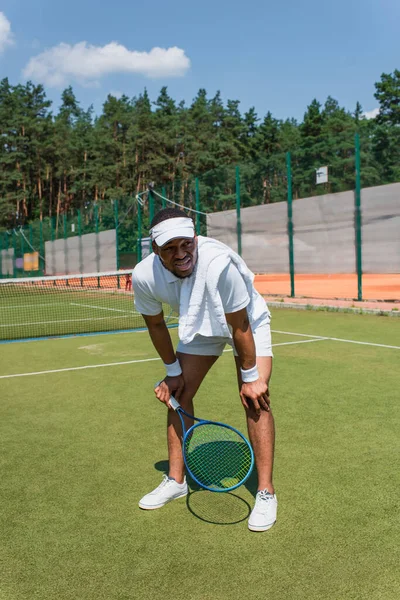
point(214, 346)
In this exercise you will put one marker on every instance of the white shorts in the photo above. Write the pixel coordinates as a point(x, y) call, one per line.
point(214, 346)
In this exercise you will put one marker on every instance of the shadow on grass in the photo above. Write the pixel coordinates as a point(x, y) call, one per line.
point(226, 508)
point(250, 484)
point(219, 509)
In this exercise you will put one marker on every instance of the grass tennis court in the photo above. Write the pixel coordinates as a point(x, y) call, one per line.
point(81, 445)
point(43, 307)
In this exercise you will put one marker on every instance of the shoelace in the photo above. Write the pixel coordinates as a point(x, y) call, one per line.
point(163, 483)
point(265, 496)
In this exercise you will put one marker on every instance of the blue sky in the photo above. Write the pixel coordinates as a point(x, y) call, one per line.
point(272, 55)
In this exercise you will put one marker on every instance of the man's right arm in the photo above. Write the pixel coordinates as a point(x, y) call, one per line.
point(160, 337)
point(162, 342)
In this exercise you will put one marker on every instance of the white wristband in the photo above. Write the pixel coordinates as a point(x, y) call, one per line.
point(249, 375)
point(174, 369)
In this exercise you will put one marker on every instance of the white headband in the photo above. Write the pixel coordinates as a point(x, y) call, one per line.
point(178, 227)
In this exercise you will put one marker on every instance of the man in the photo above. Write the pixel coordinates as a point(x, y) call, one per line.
point(212, 289)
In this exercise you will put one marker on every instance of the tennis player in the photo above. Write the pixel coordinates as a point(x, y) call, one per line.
point(211, 288)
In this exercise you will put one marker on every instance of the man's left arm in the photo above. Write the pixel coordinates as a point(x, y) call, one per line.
point(253, 388)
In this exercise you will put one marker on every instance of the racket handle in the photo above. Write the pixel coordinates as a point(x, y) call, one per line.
point(172, 402)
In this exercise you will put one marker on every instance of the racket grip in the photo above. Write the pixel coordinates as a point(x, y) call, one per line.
point(174, 403)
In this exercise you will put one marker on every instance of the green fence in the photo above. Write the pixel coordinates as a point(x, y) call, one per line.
point(223, 195)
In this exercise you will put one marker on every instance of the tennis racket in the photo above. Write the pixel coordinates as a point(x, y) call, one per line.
point(217, 456)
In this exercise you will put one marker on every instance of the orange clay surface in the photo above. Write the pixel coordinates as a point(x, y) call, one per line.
point(381, 291)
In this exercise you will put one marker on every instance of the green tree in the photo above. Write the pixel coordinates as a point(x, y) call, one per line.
point(387, 135)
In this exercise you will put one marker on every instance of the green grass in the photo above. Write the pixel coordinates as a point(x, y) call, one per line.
point(79, 448)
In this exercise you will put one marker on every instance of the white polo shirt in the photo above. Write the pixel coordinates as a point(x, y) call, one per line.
point(154, 285)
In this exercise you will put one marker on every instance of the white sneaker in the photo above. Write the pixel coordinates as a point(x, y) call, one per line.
point(168, 490)
point(263, 515)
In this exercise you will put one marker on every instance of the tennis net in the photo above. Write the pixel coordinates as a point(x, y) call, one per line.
point(69, 305)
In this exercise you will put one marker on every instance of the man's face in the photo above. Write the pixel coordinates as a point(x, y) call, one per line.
point(178, 256)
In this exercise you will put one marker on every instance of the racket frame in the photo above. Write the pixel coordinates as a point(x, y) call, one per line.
point(174, 404)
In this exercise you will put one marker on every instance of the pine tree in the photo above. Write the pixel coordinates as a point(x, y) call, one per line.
point(387, 135)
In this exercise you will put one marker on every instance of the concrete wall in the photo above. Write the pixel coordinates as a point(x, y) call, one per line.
point(6, 263)
point(324, 233)
point(90, 253)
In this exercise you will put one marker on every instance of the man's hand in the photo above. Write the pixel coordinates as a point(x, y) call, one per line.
point(170, 386)
point(256, 394)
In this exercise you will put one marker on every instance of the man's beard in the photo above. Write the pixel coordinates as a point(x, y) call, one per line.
point(173, 272)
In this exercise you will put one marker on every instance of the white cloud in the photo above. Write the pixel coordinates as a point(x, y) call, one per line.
point(6, 36)
point(85, 63)
point(371, 114)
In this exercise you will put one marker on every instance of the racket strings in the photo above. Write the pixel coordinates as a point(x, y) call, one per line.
point(217, 456)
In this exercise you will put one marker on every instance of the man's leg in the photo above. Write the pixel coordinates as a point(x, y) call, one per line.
point(261, 430)
point(194, 369)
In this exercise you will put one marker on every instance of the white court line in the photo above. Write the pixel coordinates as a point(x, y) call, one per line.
point(131, 312)
point(116, 364)
point(131, 362)
point(318, 337)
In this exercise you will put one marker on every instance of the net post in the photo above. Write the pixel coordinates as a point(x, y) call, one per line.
point(197, 206)
point(238, 218)
point(358, 220)
point(1, 256)
point(164, 195)
point(290, 222)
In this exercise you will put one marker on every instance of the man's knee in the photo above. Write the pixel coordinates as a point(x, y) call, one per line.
point(194, 370)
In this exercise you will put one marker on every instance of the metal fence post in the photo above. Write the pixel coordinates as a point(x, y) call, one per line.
point(116, 232)
point(358, 219)
point(42, 259)
point(238, 218)
point(139, 238)
point(290, 222)
point(197, 206)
